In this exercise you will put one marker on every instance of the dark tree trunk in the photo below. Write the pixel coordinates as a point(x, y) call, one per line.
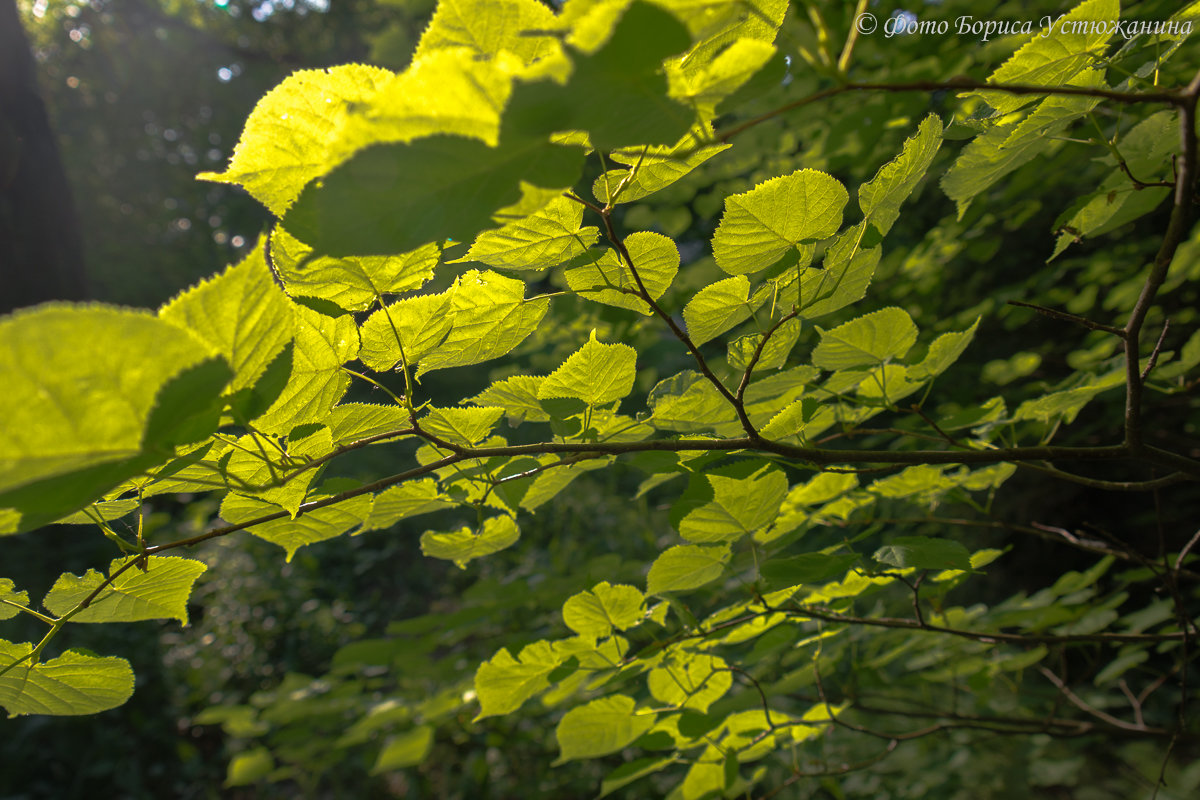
point(41, 245)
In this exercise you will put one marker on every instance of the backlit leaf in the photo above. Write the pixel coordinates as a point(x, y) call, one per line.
point(406, 500)
point(597, 374)
point(241, 314)
point(308, 528)
point(504, 683)
point(880, 198)
point(627, 102)
point(393, 198)
point(652, 168)
point(406, 331)
point(466, 544)
point(352, 283)
point(718, 307)
point(868, 340)
point(10, 598)
point(603, 726)
point(92, 396)
point(461, 426)
point(518, 396)
point(317, 381)
point(69, 685)
point(739, 506)
point(1055, 59)
point(605, 277)
point(686, 567)
point(490, 318)
point(690, 680)
point(596, 612)
point(490, 27)
point(291, 136)
point(544, 239)
point(761, 225)
point(160, 590)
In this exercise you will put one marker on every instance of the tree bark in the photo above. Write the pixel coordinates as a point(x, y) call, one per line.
point(41, 242)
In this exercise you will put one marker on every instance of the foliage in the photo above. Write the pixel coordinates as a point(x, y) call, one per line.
point(804, 581)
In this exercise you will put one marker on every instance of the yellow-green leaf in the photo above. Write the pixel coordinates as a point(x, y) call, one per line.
point(158, 589)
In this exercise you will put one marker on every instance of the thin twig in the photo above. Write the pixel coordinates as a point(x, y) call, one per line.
point(1075, 318)
point(1157, 348)
point(1086, 707)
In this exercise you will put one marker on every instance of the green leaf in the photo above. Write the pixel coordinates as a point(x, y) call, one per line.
point(726, 73)
point(880, 198)
point(605, 278)
point(772, 355)
point(626, 774)
point(686, 567)
point(406, 750)
point(444, 92)
point(490, 318)
point(292, 136)
point(393, 198)
point(541, 240)
point(249, 767)
point(159, 590)
point(406, 500)
point(688, 403)
point(71, 685)
point(760, 226)
point(92, 396)
point(504, 683)
point(351, 422)
point(627, 102)
point(407, 331)
point(461, 426)
point(690, 680)
point(1007, 146)
point(596, 612)
point(1068, 402)
point(739, 506)
point(922, 552)
point(307, 528)
point(490, 28)
point(597, 374)
point(718, 307)
point(792, 420)
point(317, 381)
point(1127, 660)
point(105, 511)
point(351, 283)
point(926, 480)
point(705, 776)
point(848, 269)
point(806, 568)
point(944, 351)
point(653, 169)
point(240, 314)
point(8, 596)
point(869, 340)
point(518, 396)
point(257, 467)
point(530, 493)
point(465, 544)
point(1055, 59)
point(603, 726)
point(1148, 150)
